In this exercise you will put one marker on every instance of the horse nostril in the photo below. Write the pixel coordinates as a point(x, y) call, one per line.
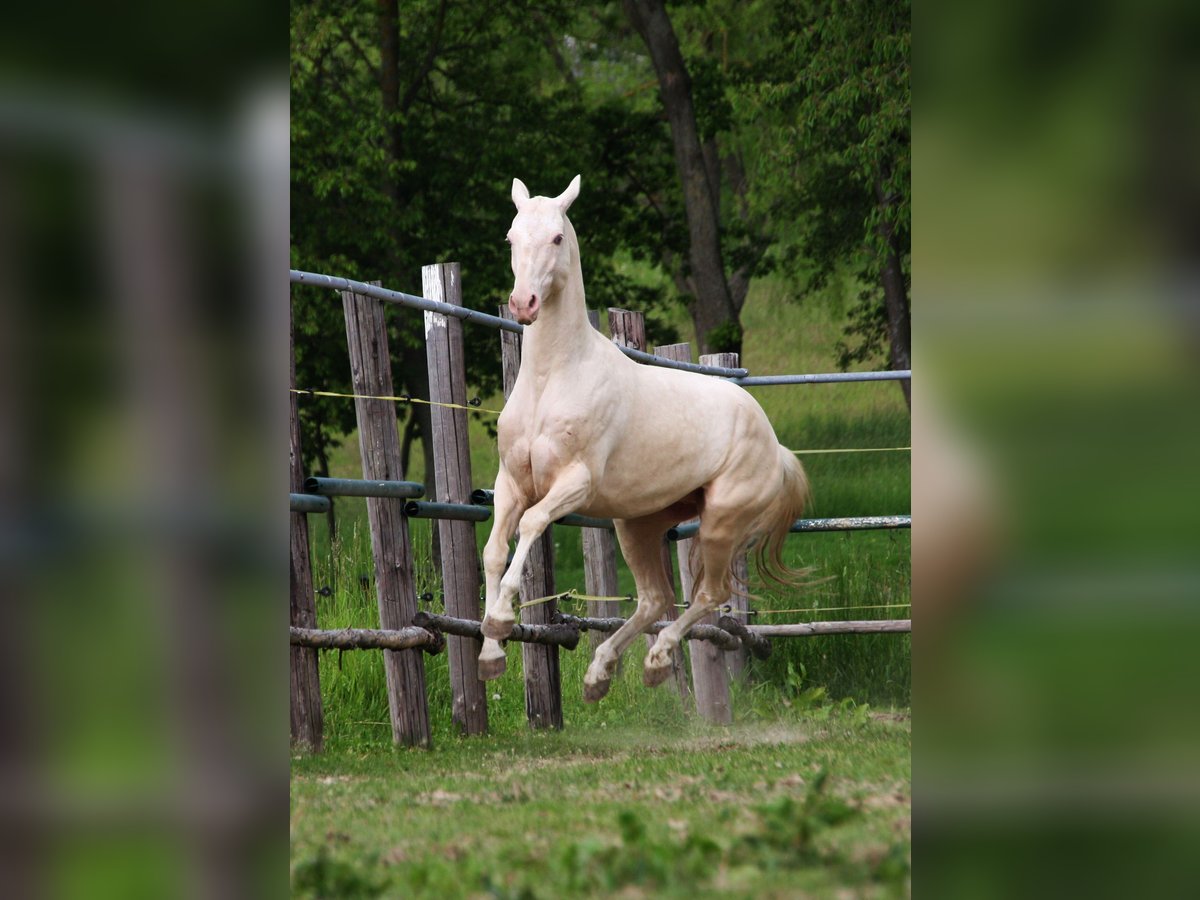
point(532, 300)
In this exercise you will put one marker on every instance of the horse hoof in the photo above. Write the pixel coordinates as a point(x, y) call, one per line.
point(491, 669)
point(654, 676)
point(594, 692)
point(496, 629)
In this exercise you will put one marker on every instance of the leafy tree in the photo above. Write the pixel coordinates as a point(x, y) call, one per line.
point(408, 127)
point(725, 246)
point(833, 95)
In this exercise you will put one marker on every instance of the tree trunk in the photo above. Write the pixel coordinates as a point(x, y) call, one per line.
point(711, 306)
point(388, 18)
point(895, 298)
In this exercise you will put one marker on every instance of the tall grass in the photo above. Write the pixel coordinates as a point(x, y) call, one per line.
point(855, 569)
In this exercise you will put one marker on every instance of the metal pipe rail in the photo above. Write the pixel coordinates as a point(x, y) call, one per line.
point(485, 497)
point(308, 503)
point(831, 377)
point(463, 512)
point(295, 276)
point(736, 375)
point(847, 523)
point(362, 487)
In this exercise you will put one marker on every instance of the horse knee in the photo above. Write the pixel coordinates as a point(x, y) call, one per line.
point(533, 522)
point(495, 558)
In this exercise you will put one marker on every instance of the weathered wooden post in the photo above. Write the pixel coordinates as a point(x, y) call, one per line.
point(710, 674)
point(306, 713)
point(600, 561)
point(679, 353)
point(738, 601)
point(543, 687)
point(379, 446)
point(452, 468)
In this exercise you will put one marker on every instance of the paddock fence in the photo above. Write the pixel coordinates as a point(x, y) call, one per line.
point(718, 647)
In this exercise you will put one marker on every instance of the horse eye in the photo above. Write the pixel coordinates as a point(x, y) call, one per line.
point(558, 240)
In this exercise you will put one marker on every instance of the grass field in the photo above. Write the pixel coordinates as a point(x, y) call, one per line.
point(812, 803)
point(635, 796)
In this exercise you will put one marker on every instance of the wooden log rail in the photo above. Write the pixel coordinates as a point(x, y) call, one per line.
point(553, 635)
point(856, 626)
point(759, 646)
point(368, 639)
point(722, 637)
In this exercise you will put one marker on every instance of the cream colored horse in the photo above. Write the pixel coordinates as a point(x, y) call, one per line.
point(588, 430)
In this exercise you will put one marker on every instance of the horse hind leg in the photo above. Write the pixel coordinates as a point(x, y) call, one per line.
point(641, 540)
point(718, 539)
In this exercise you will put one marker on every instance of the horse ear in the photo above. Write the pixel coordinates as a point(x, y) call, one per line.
point(567, 197)
point(520, 193)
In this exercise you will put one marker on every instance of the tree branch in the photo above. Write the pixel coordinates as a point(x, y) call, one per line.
point(410, 95)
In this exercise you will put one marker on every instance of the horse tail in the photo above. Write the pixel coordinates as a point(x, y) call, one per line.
point(776, 521)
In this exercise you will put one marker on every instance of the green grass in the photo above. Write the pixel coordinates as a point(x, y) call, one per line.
point(814, 802)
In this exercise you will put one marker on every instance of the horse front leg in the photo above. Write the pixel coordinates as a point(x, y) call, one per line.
point(569, 491)
point(507, 508)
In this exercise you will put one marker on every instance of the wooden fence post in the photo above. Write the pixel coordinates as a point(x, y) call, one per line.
point(710, 672)
point(379, 446)
point(600, 561)
point(679, 353)
point(543, 687)
point(735, 660)
point(452, 468)
point(306, 713)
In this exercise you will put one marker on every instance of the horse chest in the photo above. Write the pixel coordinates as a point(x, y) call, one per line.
point(537, 447)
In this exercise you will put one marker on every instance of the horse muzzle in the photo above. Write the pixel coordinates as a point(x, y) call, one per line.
point(525, 309)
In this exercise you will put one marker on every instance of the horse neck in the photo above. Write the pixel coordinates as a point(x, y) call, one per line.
point(560, 335)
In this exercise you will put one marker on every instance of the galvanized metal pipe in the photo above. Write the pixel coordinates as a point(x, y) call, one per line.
point(832, 377)
point(308, 503)
point(379, 293)
point(664, 363)
point(484, 497)
point(585, 522)
point(361, 487)
point(847, 523)
point(295, 276)
point(463, 512)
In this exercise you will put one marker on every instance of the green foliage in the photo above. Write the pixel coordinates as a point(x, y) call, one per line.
point(484, 94)
point(325, 878)
point(805, 107)
point(834, 159)
point(726, 338)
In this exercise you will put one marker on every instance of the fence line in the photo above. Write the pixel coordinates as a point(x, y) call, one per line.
point(407, 632)
point(845, 523)
point(736, 374)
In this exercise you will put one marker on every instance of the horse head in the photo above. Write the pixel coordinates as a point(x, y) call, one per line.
point(542, 246)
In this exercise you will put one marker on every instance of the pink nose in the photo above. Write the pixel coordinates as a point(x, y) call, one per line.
point(526, 313)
